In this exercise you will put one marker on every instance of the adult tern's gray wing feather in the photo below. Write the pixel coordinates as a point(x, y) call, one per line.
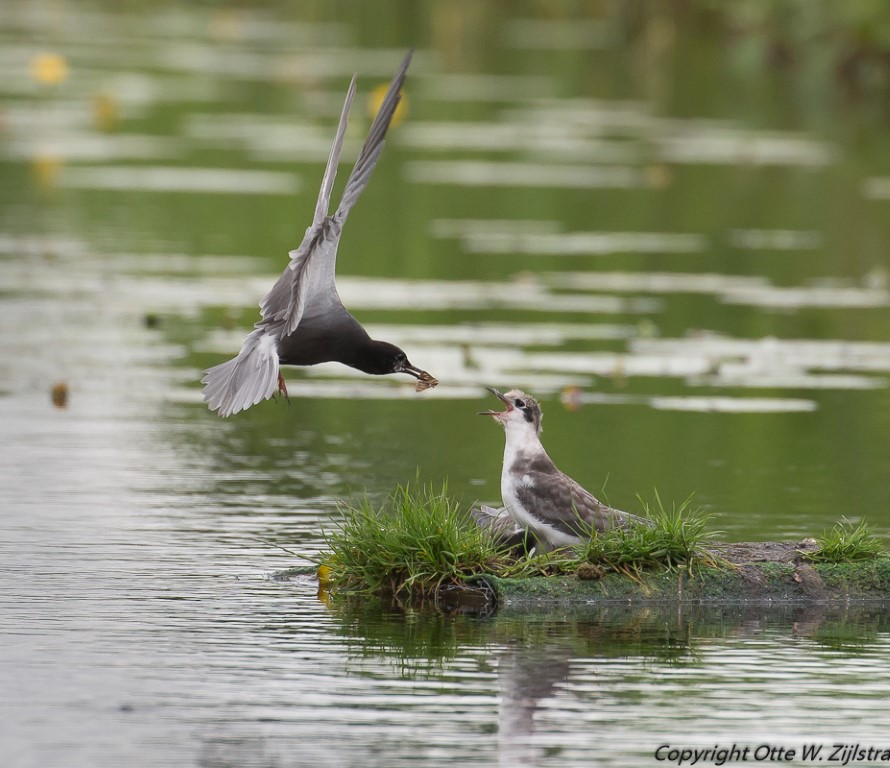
point(330, 171)
point(285, 303)
point(317, 254)
point(373, 145)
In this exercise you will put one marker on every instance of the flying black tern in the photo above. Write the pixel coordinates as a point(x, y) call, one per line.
point(303, 319)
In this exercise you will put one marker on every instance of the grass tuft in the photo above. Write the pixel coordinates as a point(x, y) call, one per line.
point(846, 543)
point(672, 538)
point(418, 541)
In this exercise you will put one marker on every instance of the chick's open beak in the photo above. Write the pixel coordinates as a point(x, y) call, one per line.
point(499, 396)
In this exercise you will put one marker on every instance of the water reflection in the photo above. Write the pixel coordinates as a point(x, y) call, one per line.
point(616, 669)
point(527, 678)
point(666, 633)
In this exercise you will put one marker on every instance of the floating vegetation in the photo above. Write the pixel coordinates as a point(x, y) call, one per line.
point(733, 404)
point(583, 243)
point(420, 541)
point(59, 394)
point(180, 179)
point(469, 173)
point(847, 542)
point(151, 320)
point(669, 538)
point(775, 239)
point(420, 548)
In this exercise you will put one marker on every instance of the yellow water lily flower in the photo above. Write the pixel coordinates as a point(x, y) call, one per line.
point(375, 99)
point(324, 575)
point(49, 68)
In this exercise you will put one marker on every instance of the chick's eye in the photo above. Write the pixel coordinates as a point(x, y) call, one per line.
point(519, 403)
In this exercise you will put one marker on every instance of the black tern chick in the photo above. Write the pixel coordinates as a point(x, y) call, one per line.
point(303, 320)
point(540, 498)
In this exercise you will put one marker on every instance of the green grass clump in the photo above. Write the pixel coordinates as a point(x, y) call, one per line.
point(410, 547)
point(674, 537)
point(420, 540)
point(846, 543)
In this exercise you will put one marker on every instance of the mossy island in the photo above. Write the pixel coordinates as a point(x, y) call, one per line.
point(420, 548)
